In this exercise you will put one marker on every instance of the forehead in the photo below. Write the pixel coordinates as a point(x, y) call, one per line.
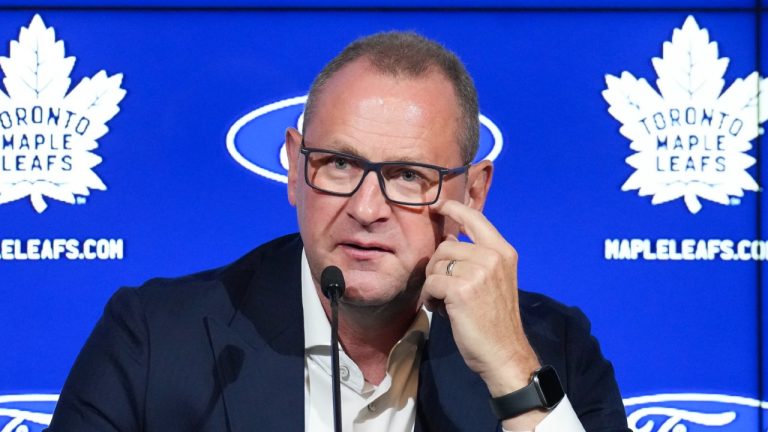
point(385, 117)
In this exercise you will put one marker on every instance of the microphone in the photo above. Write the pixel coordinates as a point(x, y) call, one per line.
point(332, 285)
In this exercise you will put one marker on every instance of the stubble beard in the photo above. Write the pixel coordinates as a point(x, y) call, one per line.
point(404, 302)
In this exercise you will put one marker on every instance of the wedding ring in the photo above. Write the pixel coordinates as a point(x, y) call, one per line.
point(449, 269)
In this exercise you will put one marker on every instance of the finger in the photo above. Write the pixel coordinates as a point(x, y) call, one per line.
point(473, 223)
point(460, 269)
point(454, 251)
point(446, 267)
point(459, 251)
point(436, 287)
point(442, 290)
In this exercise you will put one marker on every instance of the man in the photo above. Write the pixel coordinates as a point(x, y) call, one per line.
point(382, 184)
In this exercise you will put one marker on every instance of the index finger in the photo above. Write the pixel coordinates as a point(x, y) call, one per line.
point(472, 222)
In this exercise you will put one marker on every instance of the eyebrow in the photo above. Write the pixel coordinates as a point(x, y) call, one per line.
point(343, 147)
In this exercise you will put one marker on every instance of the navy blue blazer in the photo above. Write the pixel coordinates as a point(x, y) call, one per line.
point(223, 350)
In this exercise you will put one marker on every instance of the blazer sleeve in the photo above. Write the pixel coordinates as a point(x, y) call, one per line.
point(105, 390)
point(592, 387)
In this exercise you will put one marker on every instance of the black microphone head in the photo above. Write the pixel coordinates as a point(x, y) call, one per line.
point(332, 280)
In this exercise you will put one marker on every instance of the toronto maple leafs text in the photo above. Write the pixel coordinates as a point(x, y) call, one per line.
point(679, 150)
point(686, 249)
point(61, 249)
point(39, 138)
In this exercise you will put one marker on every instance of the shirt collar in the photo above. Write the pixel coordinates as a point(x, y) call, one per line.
point(317, 328)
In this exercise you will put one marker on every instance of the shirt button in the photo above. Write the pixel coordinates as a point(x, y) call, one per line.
point(344, 372)
point(371, 407)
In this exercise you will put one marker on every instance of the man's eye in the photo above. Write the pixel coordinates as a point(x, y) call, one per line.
point(409, 175)
point(340, 163)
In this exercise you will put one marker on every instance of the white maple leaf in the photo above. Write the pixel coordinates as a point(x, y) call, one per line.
point(690, 139)
point(48, 135)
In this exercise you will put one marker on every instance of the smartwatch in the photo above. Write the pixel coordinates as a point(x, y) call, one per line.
point(544, 392)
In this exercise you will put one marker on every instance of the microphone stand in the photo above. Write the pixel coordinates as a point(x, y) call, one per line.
point(332, 284)
point(335, 360)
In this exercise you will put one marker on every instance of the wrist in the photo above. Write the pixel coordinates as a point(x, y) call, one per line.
point(543, 392)
point(511, 377)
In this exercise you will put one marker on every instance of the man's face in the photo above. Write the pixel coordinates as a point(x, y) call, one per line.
point(381, 247)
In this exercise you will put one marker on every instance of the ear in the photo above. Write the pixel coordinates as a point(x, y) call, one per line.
point(292, 144)
point(478, 184)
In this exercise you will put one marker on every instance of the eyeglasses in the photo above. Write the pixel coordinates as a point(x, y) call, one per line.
point(406, 183)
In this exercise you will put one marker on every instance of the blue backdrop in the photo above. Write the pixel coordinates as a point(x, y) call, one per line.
point(685, 334)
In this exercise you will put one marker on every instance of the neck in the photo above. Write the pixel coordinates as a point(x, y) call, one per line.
point(368, 333)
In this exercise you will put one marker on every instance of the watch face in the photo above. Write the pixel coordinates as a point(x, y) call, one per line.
point(551, 391)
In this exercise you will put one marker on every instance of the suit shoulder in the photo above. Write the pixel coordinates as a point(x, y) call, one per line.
point(221, 287)
point(535, 306)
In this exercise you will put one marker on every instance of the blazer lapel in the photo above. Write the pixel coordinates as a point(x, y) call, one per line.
point(451, 397)
point(259, 354)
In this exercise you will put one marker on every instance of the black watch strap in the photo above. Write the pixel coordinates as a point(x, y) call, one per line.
point(544, 391)
point(516, 403)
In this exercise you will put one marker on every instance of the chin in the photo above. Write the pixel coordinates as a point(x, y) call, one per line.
point(366, 294)
point(376, 290)
point(351, 299)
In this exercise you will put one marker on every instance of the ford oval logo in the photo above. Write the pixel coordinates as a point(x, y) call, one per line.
point(26, 412)
point(256, 140)
point(693, 412)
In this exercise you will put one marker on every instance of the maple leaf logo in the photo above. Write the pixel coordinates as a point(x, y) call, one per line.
point(47, 136)
point(690, 140)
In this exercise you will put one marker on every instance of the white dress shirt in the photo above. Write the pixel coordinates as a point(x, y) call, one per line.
point(388, 406)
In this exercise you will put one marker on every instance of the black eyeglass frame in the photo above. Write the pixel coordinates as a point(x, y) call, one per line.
point(376, 167)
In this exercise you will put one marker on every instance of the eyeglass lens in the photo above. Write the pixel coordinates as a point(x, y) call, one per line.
point(403, 182)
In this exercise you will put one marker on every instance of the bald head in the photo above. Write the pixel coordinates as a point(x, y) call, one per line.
point(410, 56)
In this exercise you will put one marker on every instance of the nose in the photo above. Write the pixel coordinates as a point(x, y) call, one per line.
point(369, 205)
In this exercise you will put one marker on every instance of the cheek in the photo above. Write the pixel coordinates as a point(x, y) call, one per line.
point(438, 223)
point(455, 189)
point(305, 210)
point(423, 233)
point(318, 214)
